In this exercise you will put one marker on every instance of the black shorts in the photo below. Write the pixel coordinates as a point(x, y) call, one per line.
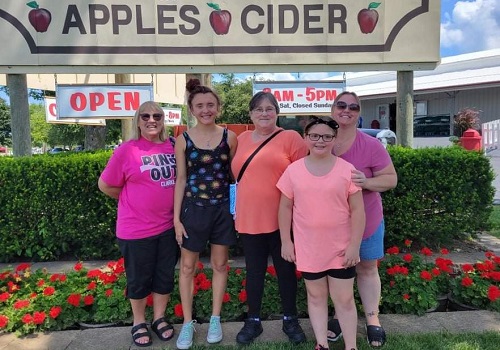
point(207, 224)
point(342, 274)
point(150, 264)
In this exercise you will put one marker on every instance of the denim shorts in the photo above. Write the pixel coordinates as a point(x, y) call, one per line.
point(372, 248)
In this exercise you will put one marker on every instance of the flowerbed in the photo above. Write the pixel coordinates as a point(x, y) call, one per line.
point(34, 301)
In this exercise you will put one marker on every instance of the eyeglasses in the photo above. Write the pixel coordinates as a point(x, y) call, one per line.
point(156, 116)
point(352, 107)
point(268, 110)
point(325, 137)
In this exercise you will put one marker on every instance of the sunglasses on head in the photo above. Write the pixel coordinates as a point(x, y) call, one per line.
point(352, 107)
point(156, 116)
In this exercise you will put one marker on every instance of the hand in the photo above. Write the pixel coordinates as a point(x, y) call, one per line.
point(288, 251)
point(351, 257)
point(358, 178)
point(180, 232)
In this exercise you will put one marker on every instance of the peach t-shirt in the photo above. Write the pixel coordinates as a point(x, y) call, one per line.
point(321, 214)
point(257, 200)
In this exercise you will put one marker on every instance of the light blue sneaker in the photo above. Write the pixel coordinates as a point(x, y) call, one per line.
point(214, 330)
point(185, 339)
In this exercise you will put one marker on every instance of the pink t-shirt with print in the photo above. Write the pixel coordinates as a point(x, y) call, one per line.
point(321, 214)
point(147, 173)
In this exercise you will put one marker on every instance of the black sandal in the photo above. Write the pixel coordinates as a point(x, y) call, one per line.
point(334, 327)
point(375, 334)
point(136, 334)
point(159, 332)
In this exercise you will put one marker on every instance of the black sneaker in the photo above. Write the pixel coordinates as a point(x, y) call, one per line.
point(293, 330)
point(251, 330)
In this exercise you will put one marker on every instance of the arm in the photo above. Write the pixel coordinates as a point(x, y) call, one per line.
point(285, 225)
point(351, 257)
point(113, 192)
point(233, 144)
point(381, 181)
point(180, 184)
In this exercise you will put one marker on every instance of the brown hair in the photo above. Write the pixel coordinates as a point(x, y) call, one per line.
point(194, 87)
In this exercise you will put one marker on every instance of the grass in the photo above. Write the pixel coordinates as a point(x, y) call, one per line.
point(431, 341)
point(495, 221)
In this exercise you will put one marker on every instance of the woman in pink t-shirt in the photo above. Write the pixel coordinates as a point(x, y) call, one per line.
point(141, 174)
point(326, 208)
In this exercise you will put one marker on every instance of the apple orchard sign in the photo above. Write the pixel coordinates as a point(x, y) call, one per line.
point(183, 36)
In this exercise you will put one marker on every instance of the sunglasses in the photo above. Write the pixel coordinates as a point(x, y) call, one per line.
point(156, 116)
point(352, 107)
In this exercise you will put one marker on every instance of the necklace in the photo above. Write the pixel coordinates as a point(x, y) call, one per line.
point(207, 144)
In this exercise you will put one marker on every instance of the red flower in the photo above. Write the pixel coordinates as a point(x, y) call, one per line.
point(408, 242)
point(88, 300)
point(408, 258)
point(205, 284)
point(445, 251)
point(92, 285)
point(426, 275)
point(4, 275)
point(62, 277)
point(55, 311)
point(12, 287)
point(54, 277)
point(406, 296)
point(237, 272)
point(226, 298)
point(27, 319)
point(467, 268)
point(38, 317)
point(4, 321)
point(444, 265)
point(495, 276)
point(242, 296)
point(426, 251)
point(200, 277)
point(20, 304)
point(78, 266)
point(493, 293)
point(149, 300)
point(271, 270)
point(49, 291)
point(74, 299)
point(4, 296)
point(244, 282)
point(22, 267)
point(436, 272)
point(40, 283)
point(298, 274)
point(392, 250)
point(109, 292)
point(178, 310)
point(392, 283)
point(94, 273)
point(200, 265)
point(33, 295)
point(467, 281)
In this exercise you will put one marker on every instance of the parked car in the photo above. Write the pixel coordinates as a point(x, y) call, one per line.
point(56, 150)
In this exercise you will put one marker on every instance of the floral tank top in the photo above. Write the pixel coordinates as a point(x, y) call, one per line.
point(207, 181)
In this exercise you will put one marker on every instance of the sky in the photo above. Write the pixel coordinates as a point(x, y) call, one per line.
point(466, 26)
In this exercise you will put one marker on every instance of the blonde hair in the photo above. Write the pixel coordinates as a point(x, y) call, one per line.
point(148, 105)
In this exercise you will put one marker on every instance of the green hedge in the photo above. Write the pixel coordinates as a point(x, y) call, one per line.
point(51, 208)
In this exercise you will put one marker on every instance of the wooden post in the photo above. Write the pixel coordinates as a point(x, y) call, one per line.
point(404, 108)
point(127, 124)
point(20, 114)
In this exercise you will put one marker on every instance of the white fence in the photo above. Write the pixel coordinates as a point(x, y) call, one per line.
point(491, 135)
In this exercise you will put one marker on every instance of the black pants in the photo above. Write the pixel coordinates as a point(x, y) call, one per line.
point(257, 249)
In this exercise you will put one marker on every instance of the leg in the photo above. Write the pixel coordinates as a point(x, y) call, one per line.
point(186, 282)
point(218, 260)
point(139, 315)
point(160, 325)
point(342, 294)
point(317, 306)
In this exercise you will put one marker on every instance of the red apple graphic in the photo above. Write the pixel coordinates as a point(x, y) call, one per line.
point(39, 17)
point(220, 20)
point(368, 18)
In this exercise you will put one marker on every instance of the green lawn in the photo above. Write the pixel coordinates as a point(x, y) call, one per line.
point(495, 221)
point(434, 341)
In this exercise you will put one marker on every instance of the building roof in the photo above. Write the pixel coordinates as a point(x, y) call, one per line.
point(461, 72)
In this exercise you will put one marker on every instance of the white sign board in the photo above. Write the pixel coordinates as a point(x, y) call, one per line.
point(101, 101)
point(51, 116)
point(173, 116)
point(302, 97)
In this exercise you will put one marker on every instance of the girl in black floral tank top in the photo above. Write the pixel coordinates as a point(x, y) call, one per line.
point(207, 180)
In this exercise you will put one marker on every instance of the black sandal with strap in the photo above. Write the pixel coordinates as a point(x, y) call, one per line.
point(136, 334)
point(159, 331)
point(334, 327)
point(375, 334)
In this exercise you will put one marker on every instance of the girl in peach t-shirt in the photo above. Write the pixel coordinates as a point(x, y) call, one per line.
point(326, 208)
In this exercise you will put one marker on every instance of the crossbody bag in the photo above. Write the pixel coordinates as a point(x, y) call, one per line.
point(233, 187)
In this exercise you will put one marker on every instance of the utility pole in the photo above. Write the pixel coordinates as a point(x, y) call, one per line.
point(20, 114)
point(404, 108)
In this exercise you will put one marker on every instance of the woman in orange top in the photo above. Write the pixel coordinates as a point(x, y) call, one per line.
point(256, 217)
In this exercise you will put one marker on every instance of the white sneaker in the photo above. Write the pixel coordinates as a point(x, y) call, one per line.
point(214, 330)
point(185, 339)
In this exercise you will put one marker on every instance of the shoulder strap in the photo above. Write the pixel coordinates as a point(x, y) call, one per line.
point(245, 165)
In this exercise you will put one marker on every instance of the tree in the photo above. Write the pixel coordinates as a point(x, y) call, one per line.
point(39, 126)
point(66, 135)
point(235, 95)
point(5, 130)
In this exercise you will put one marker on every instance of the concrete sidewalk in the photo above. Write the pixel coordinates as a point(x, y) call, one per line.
point(120, 338)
